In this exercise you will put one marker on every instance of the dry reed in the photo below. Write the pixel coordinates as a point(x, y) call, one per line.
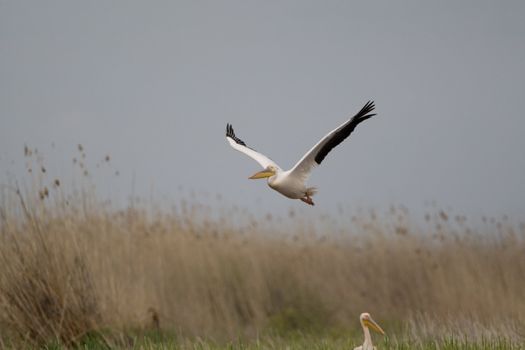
point(70, 266)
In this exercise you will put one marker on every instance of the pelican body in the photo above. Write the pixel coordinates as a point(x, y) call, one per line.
point(288, 185)
point(368, 323)
point(292, 183)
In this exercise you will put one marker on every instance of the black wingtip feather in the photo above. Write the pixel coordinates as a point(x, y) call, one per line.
point(343, 133)
point(367, 108)
point(230, 133)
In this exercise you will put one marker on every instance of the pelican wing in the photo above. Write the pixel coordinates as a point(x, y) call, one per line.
point(318, 152)
point(240, 146)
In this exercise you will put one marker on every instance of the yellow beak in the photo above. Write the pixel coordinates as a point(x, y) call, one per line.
point(262, 174)
point(374, 326)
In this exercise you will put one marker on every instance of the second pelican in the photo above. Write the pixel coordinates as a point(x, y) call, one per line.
point(366, 322)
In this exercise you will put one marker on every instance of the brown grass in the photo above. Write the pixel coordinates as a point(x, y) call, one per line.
point(66, 271)
point(70, 266)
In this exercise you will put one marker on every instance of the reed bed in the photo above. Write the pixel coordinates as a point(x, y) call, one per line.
point(72, 267)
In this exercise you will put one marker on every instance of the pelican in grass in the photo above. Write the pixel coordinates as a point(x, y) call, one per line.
point(367, 322)
point(292, 183)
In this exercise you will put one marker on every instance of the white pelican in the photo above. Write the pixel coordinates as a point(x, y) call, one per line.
point(292, 183)
point(367, 321)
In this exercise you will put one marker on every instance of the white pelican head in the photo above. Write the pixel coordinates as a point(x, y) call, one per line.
point(368, 322)
point(269, 171)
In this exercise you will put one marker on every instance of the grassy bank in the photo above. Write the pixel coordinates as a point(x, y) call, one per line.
point(297, 342)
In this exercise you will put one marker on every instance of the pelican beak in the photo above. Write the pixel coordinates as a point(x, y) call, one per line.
point(373, 325)
point(262, 174)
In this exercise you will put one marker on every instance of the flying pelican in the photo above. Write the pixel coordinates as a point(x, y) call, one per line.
point(292, 183)
point(367, 321)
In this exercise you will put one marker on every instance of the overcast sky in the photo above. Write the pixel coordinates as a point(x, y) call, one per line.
point(153, 84)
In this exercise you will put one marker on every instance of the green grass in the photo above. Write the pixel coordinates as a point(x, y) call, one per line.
point(295, 341)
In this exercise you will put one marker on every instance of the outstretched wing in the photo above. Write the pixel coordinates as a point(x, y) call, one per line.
point(317, 154)
point(240, 146)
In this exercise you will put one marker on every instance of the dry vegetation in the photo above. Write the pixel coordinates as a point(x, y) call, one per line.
point(70, 266)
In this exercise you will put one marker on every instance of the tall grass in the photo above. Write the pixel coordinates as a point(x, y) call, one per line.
point(71, 266)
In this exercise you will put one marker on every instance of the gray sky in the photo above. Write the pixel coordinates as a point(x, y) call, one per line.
point(153, 84)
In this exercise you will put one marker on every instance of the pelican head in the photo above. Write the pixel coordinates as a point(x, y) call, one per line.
point(269, 171)
point(368, 322)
